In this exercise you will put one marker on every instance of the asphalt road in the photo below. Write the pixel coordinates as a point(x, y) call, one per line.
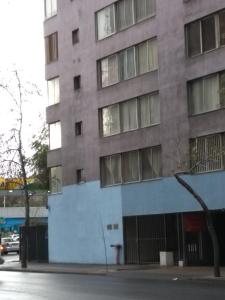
point(35, 286)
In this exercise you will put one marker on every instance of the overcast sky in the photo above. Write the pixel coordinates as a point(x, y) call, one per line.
point(22, 48)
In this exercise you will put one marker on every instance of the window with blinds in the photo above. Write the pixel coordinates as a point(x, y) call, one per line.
point(123, 14)
point(207, 93)
point(207, 153)
point(129, 63)
point(140, 112)
point(205, 34)
point(51, 47)
point(132, 166)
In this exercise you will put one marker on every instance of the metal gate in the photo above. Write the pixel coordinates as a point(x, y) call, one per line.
point(146, 236)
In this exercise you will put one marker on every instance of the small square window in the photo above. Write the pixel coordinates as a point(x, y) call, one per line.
point(80, 176)
point(76, 82)
point(75, 36)
point(115, 226)
point(109, 227)
point(78, 128)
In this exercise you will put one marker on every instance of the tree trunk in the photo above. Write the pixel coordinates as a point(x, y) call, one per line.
point(209, 222)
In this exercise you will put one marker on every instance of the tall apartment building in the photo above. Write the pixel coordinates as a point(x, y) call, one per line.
point(136, 93)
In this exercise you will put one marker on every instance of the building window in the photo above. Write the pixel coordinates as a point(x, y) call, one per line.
point(149, 110)
point(109, 70)
point(145, 8)
point(111, 170)
point(129, 63)
point(129, 115)
point(56, 179)
point(206, 34)
point(76, 82)
point(75, 36)
point(131, 166)
point(208, 153)
point(55, 135)
point(106, 22)
point(53, 91)
point(150, 163)
point(78, 128)
point(110, 120)
point(80, 176)
point(50, 8)
point(51, 48)
point(123, 14)
point(207, 93)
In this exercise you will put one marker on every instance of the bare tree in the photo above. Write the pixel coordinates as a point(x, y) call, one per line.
point(13, 161)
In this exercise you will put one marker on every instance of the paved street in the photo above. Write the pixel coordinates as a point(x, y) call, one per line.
point(24, 286)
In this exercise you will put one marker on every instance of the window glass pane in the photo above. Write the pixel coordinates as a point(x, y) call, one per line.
point(125, 13)
point(193, 38)
point(196, 97)
point(145, 113)
point(222, 89)
point(150, 7)
point(106, 22)
point(130, 166)
point(51, 47)
point(128, 111)
point(155, 109)
point(56, 179)
point(48, 8)
point(127, 64)
point(110, 120)
point(104, 72)
point(222, 28)
point(54, 7)
point(211, 93)
point(109, 70)
point(142, 57)
point(145, 8)
point(55, 135)
point(208, 33)
point(152, 55)
point(151, 163)
point(116, 168)
point(53, 91)
point(111, 170)
point(106, 177)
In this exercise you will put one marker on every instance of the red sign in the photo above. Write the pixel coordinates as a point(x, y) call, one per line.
point(193, 222)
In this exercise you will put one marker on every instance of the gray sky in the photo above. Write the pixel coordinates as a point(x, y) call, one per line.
point(22, 48)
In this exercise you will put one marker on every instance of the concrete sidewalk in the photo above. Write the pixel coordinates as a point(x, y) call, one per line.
point(124, 271)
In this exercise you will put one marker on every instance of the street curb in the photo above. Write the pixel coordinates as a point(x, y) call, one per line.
point(52, 271)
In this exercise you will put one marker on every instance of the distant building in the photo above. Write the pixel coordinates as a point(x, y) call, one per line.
point(136, 92)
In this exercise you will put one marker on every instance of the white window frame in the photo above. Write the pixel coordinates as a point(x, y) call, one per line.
point(56, 99)
point(55, 128)
point(97, 22)
point(52, 12)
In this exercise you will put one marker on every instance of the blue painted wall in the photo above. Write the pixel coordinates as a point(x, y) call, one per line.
point(78, 217)
point(78, 220)
point(167, 196)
